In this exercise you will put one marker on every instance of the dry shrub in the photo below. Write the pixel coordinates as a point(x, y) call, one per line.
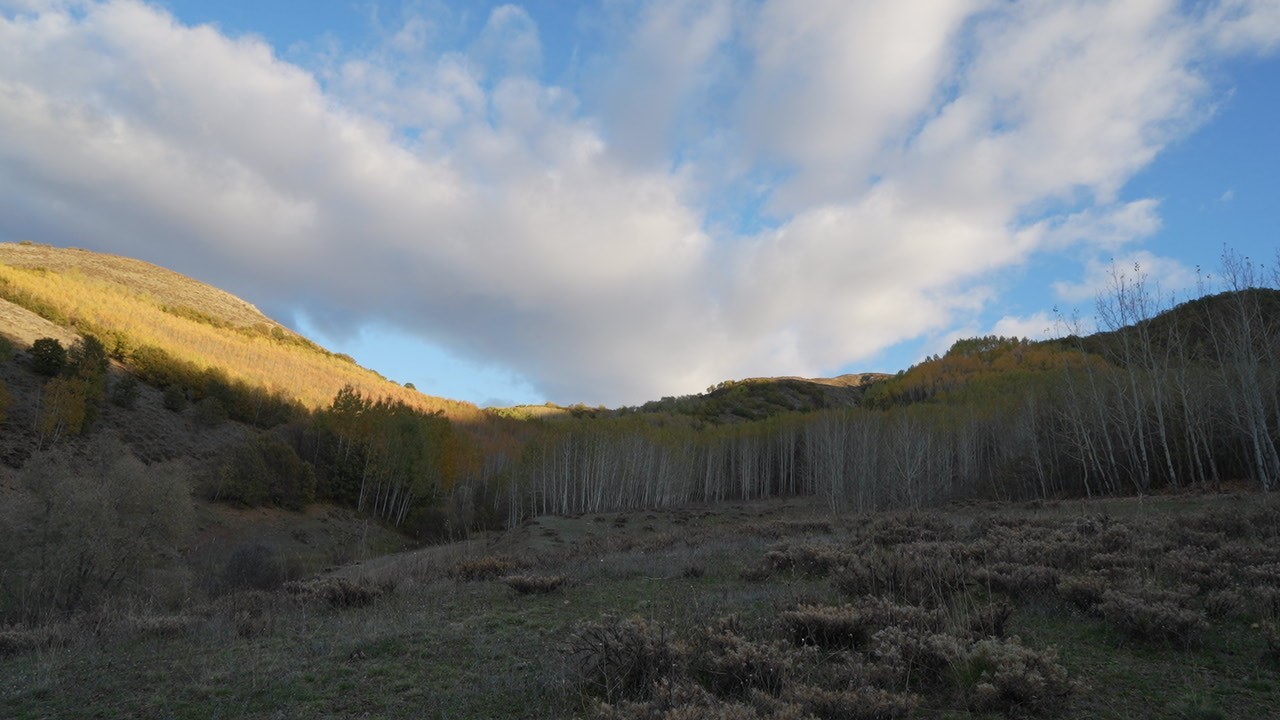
point(865, 703)
point(693, 571)
point(534, 584)
point(1152, 616)
point(914, 577)
point(1124, 560)
point(338, 592)
point(912, 658)
point(1230, 523)
point(1006, 677)
point(252, 612)
point(901, 528)
point(1262, 575)
point(673, 700)
point(1017, 580)
point(623, 659)
point(731, 665)
point(808, 559)
point(16, 640)
point(1060, 550)
point(1225, 604)
point(782, 528)
point(987, 619)
point(484, 568)
point(1271, 638)
point(1265, 601)
point(163, 625)
point(1195, 566)
point(756, 573)
point(830, 628)
point(1247, 555)
point(881, 612)
point(852, 626)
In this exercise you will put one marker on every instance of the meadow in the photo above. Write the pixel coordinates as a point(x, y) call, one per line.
point(1161, 607)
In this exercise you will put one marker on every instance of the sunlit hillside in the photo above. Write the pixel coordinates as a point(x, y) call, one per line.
point(130, 304)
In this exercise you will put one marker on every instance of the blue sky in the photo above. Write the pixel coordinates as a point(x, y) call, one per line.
point(612, 202)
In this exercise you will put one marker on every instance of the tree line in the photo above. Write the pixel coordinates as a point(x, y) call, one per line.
point(1159, 397)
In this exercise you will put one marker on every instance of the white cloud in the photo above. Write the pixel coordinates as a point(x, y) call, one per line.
point(909, 150)
point(1162, 277)
point(1037, 326)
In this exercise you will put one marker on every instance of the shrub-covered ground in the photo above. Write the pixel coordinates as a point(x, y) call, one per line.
point(1164, 608)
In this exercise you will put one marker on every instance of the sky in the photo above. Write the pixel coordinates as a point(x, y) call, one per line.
point(618, 201)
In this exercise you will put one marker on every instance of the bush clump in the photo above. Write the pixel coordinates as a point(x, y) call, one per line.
point(913, 576)
point(1151, 618)
point(534, 584)
point(1006, 677)
point(733, 666)
point(337, 592)
point(808, 559)
point(1017, 580)
point(826, 627)
point(865, 703)
point(623, 659)
point(484, 568)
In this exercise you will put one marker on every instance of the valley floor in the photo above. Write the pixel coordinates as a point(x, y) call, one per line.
point(1163, 608)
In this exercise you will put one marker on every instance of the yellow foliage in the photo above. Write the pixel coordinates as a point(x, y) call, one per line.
point(134, 319)
point(62, 408)
point(6, 400)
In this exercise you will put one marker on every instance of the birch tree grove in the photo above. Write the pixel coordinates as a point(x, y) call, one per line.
point(1163, 396)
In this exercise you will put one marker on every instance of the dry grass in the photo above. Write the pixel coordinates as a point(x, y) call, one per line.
point(437, 647)
point(141, 304)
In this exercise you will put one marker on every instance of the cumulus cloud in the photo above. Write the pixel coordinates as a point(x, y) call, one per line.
point(1162, 277)
point(908, 151)
point(1037, 326)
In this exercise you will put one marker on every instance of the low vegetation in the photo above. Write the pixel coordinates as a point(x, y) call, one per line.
point(612, 627)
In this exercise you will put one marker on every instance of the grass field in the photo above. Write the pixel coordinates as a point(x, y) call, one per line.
point(1164, 608)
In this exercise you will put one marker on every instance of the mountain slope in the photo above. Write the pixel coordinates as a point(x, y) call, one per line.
point(131, 305)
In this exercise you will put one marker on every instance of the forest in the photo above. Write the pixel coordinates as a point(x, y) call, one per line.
point(1160, 396)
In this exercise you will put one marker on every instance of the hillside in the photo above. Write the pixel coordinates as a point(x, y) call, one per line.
point(131, 305)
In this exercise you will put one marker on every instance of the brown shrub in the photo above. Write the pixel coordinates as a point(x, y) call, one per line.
point(623, 659)
point(826, 627)
point(1195, 566)
point(913, 658)
point(1146, 616)
point(678, 700)
point(987, 619)
point(881, 612)
point(163, 625)
point(1262, 575)
point(693, 571)
point(808, 559)
point(865, 703)
point(897, 529)
point(851, 626)
point(534, 584)
point(338, 592)
point(16, 640)
point(484, 568)
point(783, 528)
point(1225, 604)
point(1271, 638)
point(914, 577)
point(732, 666)
point(1006, 677)
point(1017, 580)
point(756, 573)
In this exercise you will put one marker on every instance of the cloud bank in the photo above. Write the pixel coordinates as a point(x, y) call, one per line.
point(738, 188)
